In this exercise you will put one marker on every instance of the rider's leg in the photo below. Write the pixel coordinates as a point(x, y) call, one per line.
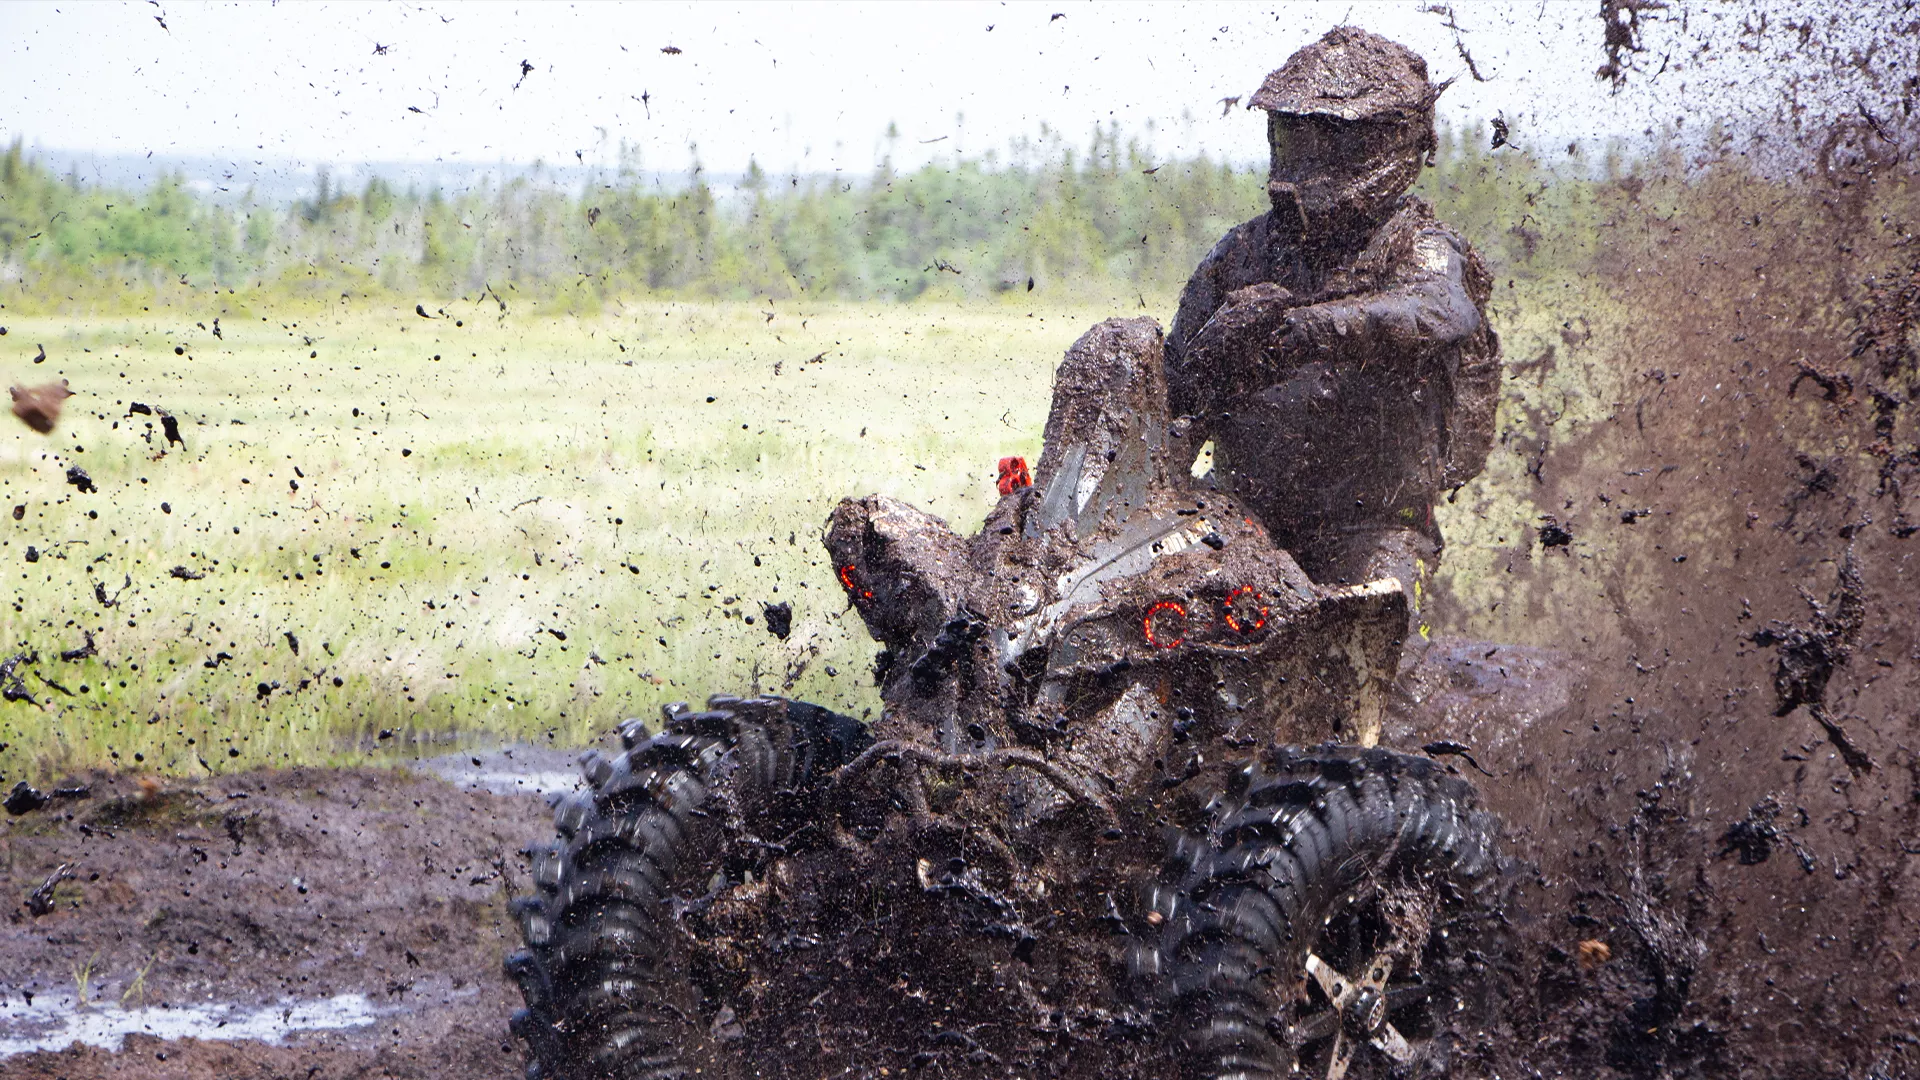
point(1408, 556)
point(1353, 557)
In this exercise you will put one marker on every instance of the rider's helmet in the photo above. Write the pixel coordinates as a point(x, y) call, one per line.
point(1349, 123)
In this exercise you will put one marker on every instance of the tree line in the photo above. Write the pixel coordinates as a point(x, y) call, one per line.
point(1095, 220)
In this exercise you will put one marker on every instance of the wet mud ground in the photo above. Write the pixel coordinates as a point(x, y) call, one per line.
point(368, 903)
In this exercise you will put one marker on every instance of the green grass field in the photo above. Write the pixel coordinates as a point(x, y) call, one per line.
point(428, 505)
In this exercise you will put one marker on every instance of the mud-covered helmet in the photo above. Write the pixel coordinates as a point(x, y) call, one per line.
point(1350, 123)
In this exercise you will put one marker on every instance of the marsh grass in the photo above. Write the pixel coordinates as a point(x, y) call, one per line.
point(83, 976)
point(428, 505)
point(483, 527)
point(138, 986)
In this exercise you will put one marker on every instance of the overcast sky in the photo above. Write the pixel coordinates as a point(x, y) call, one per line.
point(809, 87)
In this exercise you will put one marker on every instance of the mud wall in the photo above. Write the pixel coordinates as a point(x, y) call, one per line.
point(1703, 501)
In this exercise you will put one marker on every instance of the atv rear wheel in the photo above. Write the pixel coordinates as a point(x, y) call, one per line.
point(1292, 934)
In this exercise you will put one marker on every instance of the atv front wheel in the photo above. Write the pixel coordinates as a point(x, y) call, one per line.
point(604, 973)
point(1292, 934)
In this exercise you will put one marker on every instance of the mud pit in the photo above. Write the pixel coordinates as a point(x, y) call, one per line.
point(302, 923)
point(1691, 696)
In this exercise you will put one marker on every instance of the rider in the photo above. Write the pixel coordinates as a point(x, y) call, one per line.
point(1336, 349)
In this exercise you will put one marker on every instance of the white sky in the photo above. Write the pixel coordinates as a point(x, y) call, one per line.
point(808, 87)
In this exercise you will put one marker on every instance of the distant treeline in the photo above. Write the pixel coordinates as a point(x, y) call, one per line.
point(1102, 220)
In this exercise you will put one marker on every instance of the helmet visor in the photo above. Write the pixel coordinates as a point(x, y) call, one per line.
point(1328, 164)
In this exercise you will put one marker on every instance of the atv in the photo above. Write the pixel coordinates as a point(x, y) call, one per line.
point(1123, 813)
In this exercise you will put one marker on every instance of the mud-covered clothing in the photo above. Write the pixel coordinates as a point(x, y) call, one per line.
point(1409, 556)
point(1343, 389)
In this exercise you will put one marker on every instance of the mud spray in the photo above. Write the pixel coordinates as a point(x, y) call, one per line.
point(1718, 832)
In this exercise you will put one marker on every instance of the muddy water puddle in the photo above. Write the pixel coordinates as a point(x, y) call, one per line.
point(53, 1024)
point(274, 921)
point(520, 769)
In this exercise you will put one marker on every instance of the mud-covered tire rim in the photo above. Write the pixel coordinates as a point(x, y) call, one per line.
point(606, 995)
point(1287, 939)
point(1360, 991)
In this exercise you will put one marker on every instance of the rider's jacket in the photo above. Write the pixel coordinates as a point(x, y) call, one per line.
point(1344, 381)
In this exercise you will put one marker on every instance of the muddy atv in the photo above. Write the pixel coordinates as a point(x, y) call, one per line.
point(1122, 814)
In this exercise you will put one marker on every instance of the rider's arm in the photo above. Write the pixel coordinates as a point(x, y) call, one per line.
point(1427, 306)
point(1197, 302)
point(1188, 390)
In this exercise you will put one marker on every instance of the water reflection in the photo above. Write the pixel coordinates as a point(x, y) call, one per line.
point(520, 769)
point(50, 1024)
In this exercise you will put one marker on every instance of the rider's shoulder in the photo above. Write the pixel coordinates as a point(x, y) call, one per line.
point(1415, 217)
point(1238, 258)
point(1248, 236)
point(1415, 239)
point(1243, 256)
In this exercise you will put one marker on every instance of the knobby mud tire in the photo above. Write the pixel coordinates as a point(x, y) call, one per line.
point(606, 993)
point(1300, 842)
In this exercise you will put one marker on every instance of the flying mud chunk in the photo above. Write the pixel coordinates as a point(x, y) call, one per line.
point(39, 407)
point(25, 799)
point(779, 618)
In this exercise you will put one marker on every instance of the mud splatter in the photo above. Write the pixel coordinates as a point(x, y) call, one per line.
point(39, 407)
